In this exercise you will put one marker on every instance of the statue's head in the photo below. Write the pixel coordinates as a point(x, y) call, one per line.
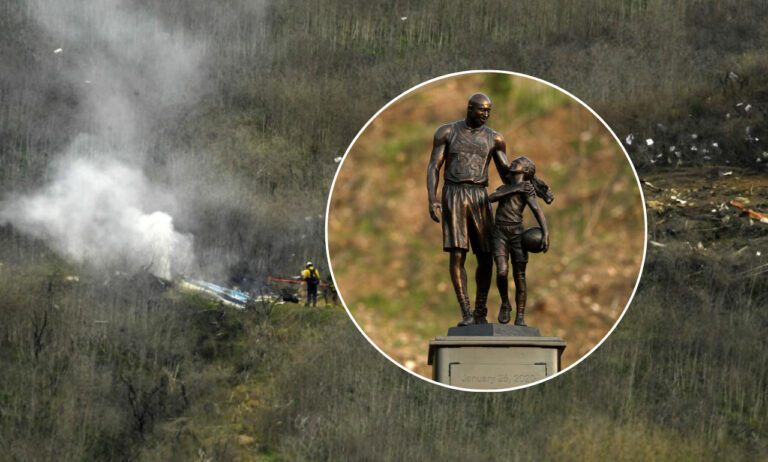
point(478, 110)
point(529, 168)
point(522, 165)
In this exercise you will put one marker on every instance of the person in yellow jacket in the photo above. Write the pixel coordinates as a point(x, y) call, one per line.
point(311, 276)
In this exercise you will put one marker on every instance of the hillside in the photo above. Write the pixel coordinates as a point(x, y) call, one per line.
point(234, 113)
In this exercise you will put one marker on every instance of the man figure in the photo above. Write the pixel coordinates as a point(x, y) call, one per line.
point(466, 148)
point(312, 277)
point(508, 234)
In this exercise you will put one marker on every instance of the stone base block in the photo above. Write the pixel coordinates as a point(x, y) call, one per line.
point(496, 356)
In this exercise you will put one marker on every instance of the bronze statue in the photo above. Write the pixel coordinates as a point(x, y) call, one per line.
point(466, 148)
point(508, 234)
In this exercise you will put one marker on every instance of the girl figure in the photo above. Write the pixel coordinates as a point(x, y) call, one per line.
point(508, 231)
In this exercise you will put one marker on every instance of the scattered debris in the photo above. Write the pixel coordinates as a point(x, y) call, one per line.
point(57, 51)
point(657, 244)
point(337, 159)
point(649, 142)
point(728, 173)
point(762, 218)
point(229, 297)
point(650, 186)
point(628, 140)
point(658, 206)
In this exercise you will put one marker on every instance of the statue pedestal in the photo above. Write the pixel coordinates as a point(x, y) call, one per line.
point(494, 356)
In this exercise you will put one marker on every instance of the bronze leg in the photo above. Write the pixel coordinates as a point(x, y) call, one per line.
point(520, 296)
point(502, 283)
point(459, 280)
point(483, 277)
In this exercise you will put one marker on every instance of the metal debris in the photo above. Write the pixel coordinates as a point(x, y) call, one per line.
point(757, 216)
point(226, 296)
point(650, 186)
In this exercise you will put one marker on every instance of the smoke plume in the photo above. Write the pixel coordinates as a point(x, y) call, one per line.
point(93, 211)
point(131, 70)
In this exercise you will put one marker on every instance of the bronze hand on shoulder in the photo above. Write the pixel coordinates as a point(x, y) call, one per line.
point(504, 190)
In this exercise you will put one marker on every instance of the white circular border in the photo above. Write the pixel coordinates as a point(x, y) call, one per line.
point(488, 71)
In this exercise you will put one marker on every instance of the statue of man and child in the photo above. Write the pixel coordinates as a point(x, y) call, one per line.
point(466, 148)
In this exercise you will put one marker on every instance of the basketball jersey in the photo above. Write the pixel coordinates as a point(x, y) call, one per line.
point(510, 209)
point(468, 154)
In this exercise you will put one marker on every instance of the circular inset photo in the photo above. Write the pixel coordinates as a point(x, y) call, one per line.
point(486, 230)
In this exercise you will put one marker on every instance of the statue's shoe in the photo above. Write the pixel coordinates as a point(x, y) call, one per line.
point(519, 320)
point(468, 320)
point(505, 313)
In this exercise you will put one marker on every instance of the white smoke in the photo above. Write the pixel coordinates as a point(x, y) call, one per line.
point(137, 68)
point(95, 212)
point(132, 71)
